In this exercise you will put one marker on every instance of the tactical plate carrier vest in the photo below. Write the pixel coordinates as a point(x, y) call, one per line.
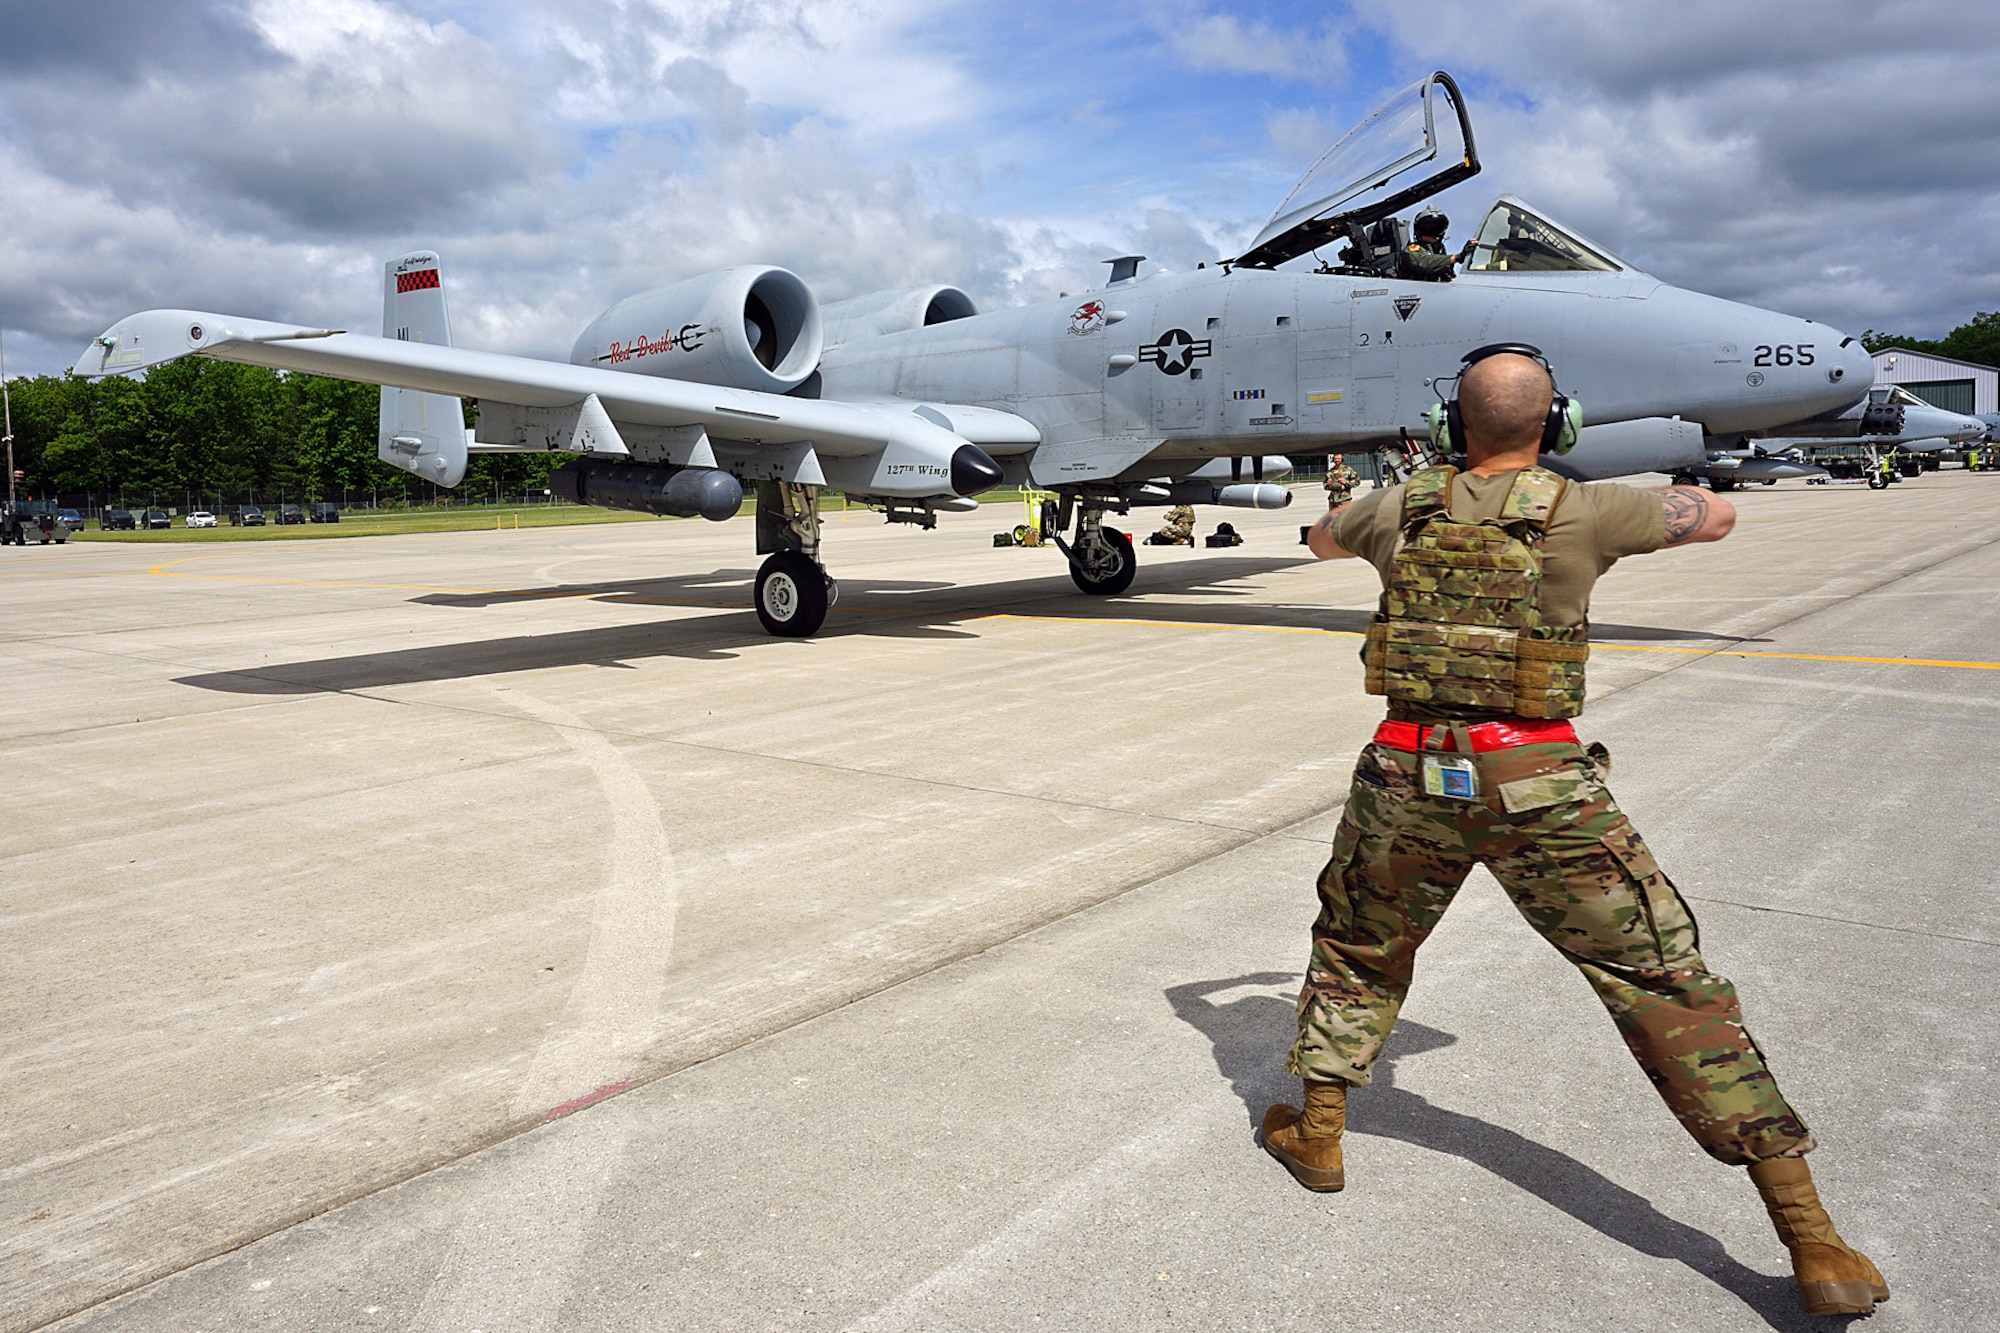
point(1460, 623)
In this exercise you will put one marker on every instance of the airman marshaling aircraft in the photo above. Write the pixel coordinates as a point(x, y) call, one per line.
point(1157, 389)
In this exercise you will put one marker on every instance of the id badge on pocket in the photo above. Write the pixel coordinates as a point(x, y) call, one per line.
point(1453, 776)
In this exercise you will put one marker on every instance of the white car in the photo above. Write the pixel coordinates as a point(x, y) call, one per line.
point(201, 518)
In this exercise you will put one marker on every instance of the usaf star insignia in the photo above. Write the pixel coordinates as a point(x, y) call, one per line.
point(1175, 351)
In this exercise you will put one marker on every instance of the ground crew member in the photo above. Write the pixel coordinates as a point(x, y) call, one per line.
point(1479, 645)
point(1425, 258)
point(1178, 530)
point(1340, 481)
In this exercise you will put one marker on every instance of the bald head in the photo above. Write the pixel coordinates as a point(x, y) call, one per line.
point(1504, 402)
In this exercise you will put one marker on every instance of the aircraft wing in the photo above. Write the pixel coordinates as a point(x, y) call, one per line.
point(925, 435)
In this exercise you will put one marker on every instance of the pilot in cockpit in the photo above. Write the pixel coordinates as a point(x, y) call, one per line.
point(1425, 258)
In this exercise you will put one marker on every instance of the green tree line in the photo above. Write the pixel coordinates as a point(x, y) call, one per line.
point(214, 432)
point(1977, 341)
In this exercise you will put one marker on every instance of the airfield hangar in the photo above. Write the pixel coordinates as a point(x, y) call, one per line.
point(1955, 386)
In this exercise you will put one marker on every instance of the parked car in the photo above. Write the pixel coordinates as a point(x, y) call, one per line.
point(289, 514)
point(157, 518)
point(201, 518)
point(70, 519)
point(324, 511)
point(245, 516)
point(117, 520)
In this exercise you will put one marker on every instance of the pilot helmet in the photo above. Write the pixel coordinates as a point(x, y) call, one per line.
point(1431, 222)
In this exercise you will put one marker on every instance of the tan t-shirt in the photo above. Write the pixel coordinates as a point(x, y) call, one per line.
point(1594, 526)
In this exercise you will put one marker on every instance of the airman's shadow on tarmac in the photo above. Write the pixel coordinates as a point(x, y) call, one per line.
point(1219, 591)
point(1250, 1031)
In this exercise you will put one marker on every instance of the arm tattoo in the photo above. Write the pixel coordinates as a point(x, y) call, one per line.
point(1687, 512)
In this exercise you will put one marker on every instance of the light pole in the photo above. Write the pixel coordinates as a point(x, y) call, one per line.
point(7, 410)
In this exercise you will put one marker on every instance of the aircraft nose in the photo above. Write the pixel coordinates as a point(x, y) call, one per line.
point(1852, 366)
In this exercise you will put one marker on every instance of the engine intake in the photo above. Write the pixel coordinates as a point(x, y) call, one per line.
point(754, 327)
point(896, 311)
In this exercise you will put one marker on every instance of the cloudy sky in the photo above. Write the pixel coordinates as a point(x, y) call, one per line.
point(1831, 159)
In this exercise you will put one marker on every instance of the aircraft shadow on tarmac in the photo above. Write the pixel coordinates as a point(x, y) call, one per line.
point(1249, 1032)
point(895, 608)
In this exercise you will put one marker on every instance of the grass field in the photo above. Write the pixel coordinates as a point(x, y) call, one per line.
point(401, 522)
point(376, 523)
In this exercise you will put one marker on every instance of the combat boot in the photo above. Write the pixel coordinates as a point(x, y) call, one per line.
point(1308, 1141)
point(1833, 1276)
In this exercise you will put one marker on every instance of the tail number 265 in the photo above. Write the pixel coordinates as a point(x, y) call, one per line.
point(1784, 354)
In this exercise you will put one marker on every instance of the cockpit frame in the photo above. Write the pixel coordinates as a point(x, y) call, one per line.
point(1315, 230)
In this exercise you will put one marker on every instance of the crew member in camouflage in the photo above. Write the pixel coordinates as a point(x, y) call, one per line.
point(1579, 872)
point(1542, 821)
point(1340, 481)
point(1178, 530)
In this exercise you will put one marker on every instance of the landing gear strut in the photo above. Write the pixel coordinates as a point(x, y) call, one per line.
point(793, 590)
point(1101, 559)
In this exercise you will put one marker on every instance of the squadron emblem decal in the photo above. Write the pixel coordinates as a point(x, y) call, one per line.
point(1176, 350)
point(1407, 306)
point(1086, 319)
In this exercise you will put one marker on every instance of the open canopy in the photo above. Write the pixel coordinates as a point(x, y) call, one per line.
point(1412, 146)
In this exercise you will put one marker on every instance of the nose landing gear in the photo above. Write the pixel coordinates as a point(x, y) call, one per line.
point(1101, 560)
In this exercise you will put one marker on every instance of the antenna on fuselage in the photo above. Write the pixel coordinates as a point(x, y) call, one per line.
point(1124, 268)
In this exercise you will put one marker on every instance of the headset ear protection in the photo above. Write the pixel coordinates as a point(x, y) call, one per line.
point(1447, 428)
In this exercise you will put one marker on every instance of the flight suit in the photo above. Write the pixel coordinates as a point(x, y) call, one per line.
point(1340, 484)
point(1426, 261)
point(1544, 824)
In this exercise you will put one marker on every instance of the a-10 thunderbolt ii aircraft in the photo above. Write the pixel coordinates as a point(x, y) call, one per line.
point(1890, 417)
point(1158, 388)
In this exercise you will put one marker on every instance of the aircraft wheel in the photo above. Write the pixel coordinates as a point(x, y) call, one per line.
point(1111, 573)
point(1722, 484)
point(792, 595)
point(1877, 482)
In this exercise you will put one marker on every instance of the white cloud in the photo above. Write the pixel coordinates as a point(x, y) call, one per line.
point(1820, 158)
point(263, 156)
point(1227, 44)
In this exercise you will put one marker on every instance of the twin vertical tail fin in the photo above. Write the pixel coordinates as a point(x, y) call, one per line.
point(421, 433)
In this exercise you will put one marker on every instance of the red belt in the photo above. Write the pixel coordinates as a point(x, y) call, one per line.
point(1485, 735)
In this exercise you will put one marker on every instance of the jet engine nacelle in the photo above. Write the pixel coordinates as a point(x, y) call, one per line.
point(749, 328)
point(673, 492)
point(880, 313)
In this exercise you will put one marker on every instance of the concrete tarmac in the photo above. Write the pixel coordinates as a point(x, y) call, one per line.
point(497, 931)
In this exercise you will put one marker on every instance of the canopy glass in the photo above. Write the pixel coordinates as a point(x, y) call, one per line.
point(1416, 143)
point(1516, 239)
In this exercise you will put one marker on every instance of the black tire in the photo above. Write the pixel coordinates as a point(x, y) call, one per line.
point(1877, 482)
point(792, 595)
point(1117, 581)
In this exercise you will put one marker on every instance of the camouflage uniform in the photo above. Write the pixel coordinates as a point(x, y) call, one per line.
point(1179, 526)
point(1426, 261)
point(1340, 484)
point(1548, 830)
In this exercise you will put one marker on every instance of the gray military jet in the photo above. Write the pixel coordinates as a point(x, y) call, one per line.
point(1888, 418)
point(1158, 388)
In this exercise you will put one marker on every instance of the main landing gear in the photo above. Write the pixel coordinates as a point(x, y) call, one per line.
point(793, 590)
point(1101, 559)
